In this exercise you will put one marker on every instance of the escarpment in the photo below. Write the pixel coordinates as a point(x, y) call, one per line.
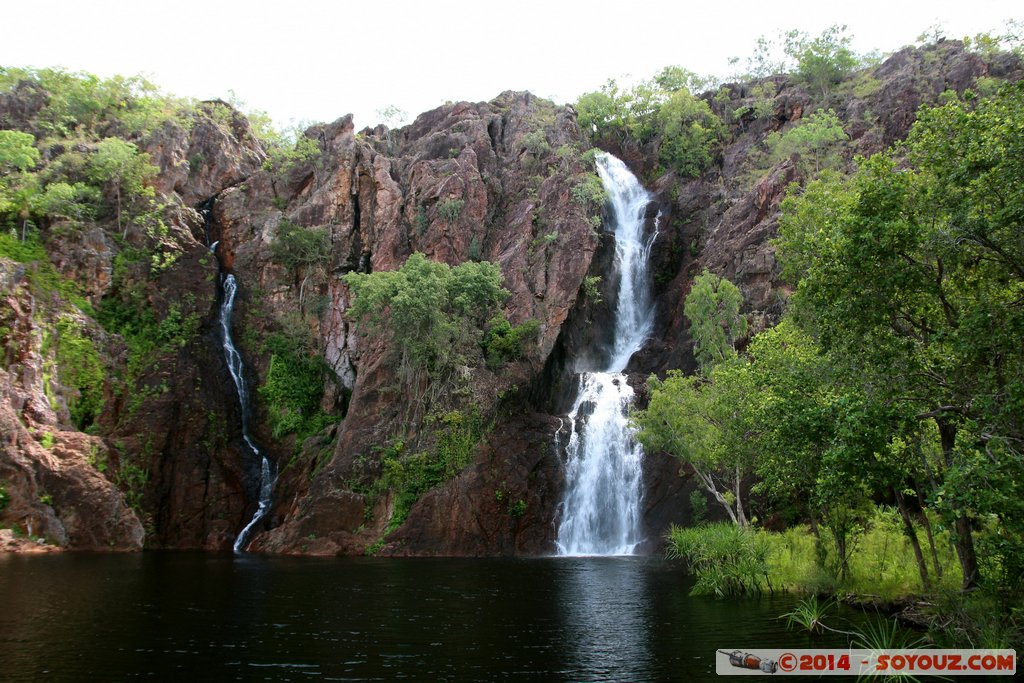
point(121, 424)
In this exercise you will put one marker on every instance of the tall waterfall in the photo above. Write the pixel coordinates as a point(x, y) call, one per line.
point(600, 514)
point(237, 369)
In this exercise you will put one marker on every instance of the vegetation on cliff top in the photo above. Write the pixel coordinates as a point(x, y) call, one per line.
point(897, 376)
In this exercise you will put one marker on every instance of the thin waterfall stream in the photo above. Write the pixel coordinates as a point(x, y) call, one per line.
point(253, 456)
point(237, 369)
point(600, 513)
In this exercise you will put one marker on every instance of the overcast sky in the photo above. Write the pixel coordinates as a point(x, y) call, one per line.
point(315, 61)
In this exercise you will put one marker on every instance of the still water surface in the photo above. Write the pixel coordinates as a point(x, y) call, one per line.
point(181, 616)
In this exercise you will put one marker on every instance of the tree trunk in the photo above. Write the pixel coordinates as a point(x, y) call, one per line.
point(926, 523)
point(819, 548)
point(963, 537)
point(117, 192)
point(741, 515)
point(844, 563)
point(709, 486)
point(908, 526)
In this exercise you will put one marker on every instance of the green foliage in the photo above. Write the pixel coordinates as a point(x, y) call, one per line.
point(689, 133)
point(589, 192)
point(5, 498)
point(131, 478)
point(433, 313)
point(289, 151)
point(815, 136)
point(698, 507)
point(77, 201)
point(663, 108)
point(80, 103)
point(79, 368)
point(517, 508)
point(726, 559)
point(592, 288)
point(422, 220)
point(709, 423)
point(294, 387)
point(409, 476)
point(124, 171)
point(502, 342)
point(450, 209)
point(911, 274)
point(17, 151)
point(713, 309)
point(766, 60)
point(47, 440)
point(43, 276)
point(824, 60)
point(149, 336)
point(536, 143)
point(23, 252)
point(809, 614)
point(299, 248)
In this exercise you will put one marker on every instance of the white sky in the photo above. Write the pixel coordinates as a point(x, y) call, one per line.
point(308, 60)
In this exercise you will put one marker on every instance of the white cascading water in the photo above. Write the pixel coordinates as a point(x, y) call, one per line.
point(600, 514)
point(237, 369)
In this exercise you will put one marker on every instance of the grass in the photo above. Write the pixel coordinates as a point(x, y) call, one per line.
point(728, 560)
point(809, 614)
point(882, 562)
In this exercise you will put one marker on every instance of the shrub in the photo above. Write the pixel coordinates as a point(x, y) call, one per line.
point(588, 191)
point(816, 137)
point(79, 368)
point(727, 559)
point(503, 342)
point(536, 143)
point(297, 247)
point(450, 209)
point(433, 313)
point(294, 387)
point(689, 132)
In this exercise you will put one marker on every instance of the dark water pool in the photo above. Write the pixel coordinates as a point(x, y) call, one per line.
point(190, 616)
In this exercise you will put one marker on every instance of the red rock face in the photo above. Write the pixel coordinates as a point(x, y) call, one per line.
point(48, 470)
point(383, 195)
point(492, 181)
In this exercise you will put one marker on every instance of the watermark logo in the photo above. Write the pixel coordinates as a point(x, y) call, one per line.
point(846, 662)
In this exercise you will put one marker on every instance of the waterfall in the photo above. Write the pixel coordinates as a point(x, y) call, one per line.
point(237, 370)
point(600, 513)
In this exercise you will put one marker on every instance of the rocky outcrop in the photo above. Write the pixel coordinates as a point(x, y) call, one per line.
point(725, 220)
point(461, 182)
point(50, 472)
point(497, 181)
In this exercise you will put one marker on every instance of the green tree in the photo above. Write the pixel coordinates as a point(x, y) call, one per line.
point(124, 171)
point(19, 188)
point(17, 151)
point(432, 313)
point(76, 201)
point(661, 108)
point(304, 251)
point(824, 60)
point(710, 423)
point(713, 309)
point(689, 132)
point(815, 136)
point(917, 274)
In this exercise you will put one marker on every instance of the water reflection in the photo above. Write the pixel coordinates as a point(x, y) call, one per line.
point(220, 617)
point(606, 612)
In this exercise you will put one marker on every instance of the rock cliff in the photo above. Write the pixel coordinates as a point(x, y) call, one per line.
point(161, 461)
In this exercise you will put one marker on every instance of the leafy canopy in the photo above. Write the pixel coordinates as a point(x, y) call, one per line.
point(432, 312)
point(713, 309)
